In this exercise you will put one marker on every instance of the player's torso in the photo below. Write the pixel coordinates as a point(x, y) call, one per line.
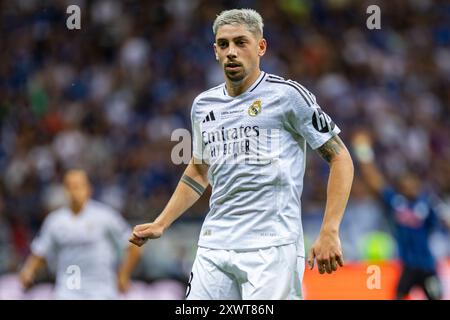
point(250, 155)
point(244, 140)
point(240, 129)
point(410, 214)
point(79, 231)
point(247, 129)
point(412, 219)
point(83, 240)
point(83, 251)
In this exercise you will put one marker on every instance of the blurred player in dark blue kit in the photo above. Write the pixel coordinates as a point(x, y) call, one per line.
point(414, 215)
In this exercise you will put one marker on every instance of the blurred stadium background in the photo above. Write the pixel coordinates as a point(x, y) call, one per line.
point(107, 98)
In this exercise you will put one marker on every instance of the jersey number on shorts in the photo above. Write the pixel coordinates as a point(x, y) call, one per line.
point(188, 291)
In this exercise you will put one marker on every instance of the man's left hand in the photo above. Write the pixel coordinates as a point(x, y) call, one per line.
point(327, 251)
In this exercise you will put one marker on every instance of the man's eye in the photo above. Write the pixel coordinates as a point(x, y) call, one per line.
point(240, 43)
point(222, 44)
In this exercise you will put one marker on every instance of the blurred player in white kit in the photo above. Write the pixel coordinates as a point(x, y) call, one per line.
point(85, 238)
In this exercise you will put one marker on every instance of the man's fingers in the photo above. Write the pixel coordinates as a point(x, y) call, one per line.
point(139, 231)
point(330, 264)
point(333, 264)
point(321, 266)
point(327, 264)
point(137, 240)
point(146, 233)
point(138, 234)
point(340, 260)
point(140, 227)
point(311, 256)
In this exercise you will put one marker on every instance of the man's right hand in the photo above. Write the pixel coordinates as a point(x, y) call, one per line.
point(26, 279)
point(362, 147)
point(143, 232)
point(361, 137)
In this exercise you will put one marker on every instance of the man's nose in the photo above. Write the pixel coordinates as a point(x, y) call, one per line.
point(231, 52)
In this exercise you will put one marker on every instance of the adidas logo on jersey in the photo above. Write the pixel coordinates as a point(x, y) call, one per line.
point(209, 117)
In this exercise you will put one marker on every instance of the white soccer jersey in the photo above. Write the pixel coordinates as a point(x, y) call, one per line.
point(255, 146)
point(87, 244)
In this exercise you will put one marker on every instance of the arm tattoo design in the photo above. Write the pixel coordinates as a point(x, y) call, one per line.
point(331, 148)
point(197, 187)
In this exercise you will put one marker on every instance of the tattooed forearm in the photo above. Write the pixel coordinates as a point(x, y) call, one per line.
point(331, 148)
point(197, 187)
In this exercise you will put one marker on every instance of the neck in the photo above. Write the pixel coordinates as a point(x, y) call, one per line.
point(76, 207)
point(236, 88)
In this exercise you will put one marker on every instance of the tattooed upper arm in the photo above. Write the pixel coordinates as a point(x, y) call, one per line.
point(331, 148)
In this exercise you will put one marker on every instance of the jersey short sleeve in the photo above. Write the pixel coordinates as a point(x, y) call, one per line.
point(307, 118)
point(44, 244)
point(197, 142)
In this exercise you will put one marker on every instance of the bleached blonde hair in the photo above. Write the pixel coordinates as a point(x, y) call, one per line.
point(248, 17)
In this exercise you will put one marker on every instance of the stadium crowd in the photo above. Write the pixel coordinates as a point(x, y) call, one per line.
point(107, 98)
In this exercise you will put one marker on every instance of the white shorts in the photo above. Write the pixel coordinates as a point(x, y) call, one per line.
point(297, 291)
point(263, 274)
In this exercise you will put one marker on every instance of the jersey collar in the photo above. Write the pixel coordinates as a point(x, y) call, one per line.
point(255, 84)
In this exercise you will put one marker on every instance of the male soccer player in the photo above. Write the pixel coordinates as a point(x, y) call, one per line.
point(414, 215)
point(249, 143)
point(84, 239)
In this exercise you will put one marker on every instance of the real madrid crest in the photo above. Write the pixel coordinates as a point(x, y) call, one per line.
point(255, 108)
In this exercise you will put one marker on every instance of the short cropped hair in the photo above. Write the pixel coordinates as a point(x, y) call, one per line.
point(248, 17)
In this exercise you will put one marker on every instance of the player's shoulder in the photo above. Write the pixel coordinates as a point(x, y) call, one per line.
point(100, 208)
point(214, 92)
point(204, 100)
point(55, 216)
point(290, 89)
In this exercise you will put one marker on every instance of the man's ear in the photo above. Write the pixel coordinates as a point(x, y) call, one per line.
point(262, 46)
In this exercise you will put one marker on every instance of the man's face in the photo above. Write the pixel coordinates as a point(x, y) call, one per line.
point(410, 185)
point(77, 187)
point(238, 51)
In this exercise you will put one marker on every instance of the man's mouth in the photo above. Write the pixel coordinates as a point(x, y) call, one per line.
point(232, 65)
